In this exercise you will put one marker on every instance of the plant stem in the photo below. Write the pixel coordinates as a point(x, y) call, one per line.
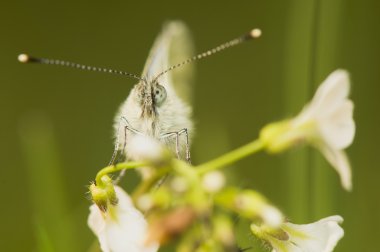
point(144, 186)
point(117, 167)
point(231, 157)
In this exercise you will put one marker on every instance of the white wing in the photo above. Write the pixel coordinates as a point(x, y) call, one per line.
point(172, 46)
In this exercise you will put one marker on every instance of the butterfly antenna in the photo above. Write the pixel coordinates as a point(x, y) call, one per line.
point(253, 34)
point(24, 58)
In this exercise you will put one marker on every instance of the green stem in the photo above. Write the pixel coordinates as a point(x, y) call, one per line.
point(117, 167)
point(145, 185)
point(185, 169)
point(231, 157)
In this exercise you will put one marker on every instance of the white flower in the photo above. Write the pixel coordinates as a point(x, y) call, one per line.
point(251, 205)
point(272, 216)
point(332, 112)
point(213, 181)
point(320, 236)
point(146, 148)
point(326, 123)
point(121, 228)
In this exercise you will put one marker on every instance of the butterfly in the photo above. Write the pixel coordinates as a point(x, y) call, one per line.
point(159, 105)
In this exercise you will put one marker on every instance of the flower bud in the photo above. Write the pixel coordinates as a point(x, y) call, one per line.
point(110, 189)
point(104, 194)
point(99, 197)
point(179, 184)
point(213, 181)
point(251, 205)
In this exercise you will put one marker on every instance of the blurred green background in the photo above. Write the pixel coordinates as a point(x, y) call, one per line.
point(57, 123)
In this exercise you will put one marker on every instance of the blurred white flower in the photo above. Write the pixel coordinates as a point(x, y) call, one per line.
point(326, 123)
point(251, 205)
point(179, 184)
point(121, 228)
point(146, 148)
point(332, 112)
point(320, 236)
point(213, 181)
point(272, 216)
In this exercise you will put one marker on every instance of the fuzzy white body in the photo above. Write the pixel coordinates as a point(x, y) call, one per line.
point(173, 116)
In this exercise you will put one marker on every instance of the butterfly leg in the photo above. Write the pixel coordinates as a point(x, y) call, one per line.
point(123, 124)
point(166, 135)
point(116, 148)
point(184, 131)
point(177, 134)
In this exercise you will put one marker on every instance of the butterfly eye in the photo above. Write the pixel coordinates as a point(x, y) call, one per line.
point(159, 94)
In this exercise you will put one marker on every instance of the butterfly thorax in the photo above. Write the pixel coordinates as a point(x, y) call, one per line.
point(142, 108)
point(145, 98)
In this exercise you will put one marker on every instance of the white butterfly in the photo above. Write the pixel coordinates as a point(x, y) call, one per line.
point(158, 106)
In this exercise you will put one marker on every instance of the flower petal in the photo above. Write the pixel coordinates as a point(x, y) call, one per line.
point(331, 93)
point(289, 247)
point(339, 160)
point(95, 219)
point(124, 201)
point(338, 128)
point(320, 236)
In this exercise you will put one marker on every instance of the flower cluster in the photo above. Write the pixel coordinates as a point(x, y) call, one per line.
point(194, 206)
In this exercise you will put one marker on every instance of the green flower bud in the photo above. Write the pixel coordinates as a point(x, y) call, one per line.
point(104, 194)
point(110, 189)
point(99, 197)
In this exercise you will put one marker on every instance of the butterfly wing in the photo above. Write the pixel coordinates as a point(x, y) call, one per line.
point(173, 45)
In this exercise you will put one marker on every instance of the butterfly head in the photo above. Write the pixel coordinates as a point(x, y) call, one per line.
point(150, 95)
